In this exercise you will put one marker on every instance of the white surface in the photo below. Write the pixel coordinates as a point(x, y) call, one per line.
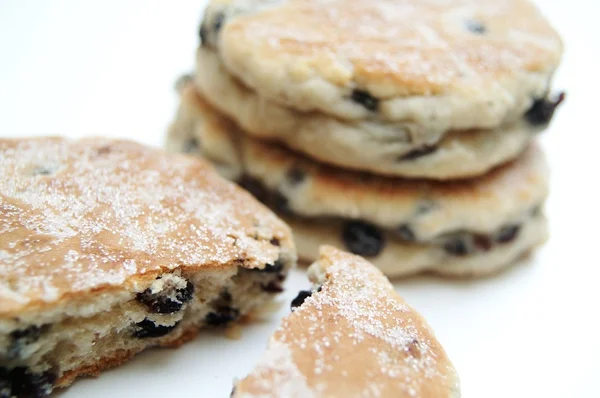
point(107, 68)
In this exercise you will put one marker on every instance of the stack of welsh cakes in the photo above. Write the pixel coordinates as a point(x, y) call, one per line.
point(400, 130)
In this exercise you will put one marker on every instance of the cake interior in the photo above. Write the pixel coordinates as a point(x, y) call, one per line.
point(41, 353)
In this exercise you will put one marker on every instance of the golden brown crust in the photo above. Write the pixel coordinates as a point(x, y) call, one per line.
point(121, 356)
point(354, 337)
point(361, 145)
point(95, 369)
point(432, 49)
point(522, 175)
point(484, 203)
point(426, 65)
point(97, 215)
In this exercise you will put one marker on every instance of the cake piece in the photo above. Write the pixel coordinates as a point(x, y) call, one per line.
point(109, 247)
point(351, 336)
point(382, 85)
point(465, 228)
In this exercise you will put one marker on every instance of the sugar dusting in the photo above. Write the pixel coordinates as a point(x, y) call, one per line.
point(436, 51)
point(356, 337)
point(278, 376)
point(81, 215)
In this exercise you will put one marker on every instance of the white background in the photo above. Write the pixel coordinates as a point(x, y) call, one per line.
point(107, 68)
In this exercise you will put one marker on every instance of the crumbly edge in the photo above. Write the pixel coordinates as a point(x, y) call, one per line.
point(84, 345)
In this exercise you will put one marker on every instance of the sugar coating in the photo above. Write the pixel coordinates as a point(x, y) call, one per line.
point(280, 372)
point(77, 216)
point(418, 57)
point(354, 337)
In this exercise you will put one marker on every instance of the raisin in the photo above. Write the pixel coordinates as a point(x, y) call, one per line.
point(482, 242)
point(28, 335)
point(222, 316)
point(281, 204)
point(186, 294)
point(148, 329)
point(272, 287)
point(296, 175)
point(226, 296)
point(275, 200)
point(476, 27)
point(274, 268)
point(255, 187)
point(21, 338)
point(405, 233)
point(363, 239)
point(508, 234)
point(5, 387)
point(24, 384)
point(418, 153)
point(414, 348)
point(162, 303)
point(457, 246)
point(299, 300)
point(542, 110)
point(365, 99)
